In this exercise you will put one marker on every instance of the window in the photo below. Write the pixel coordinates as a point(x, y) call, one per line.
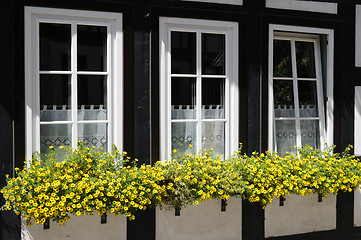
point(198, 86)
point(300, 88)
point(73, 78)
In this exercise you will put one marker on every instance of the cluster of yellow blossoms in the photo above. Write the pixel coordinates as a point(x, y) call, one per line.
point(88, 180)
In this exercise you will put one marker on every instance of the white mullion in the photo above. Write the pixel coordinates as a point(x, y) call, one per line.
point(183, 120)
point(109, 103)
point(199, 89)
point(36, 98)
point(319, 87)
point(54, 72)
point(168, 84)
point(105, 73)
point(227, 95)
point(74, 84)
point(214, 120)
point(295, 93)
point(182, 75)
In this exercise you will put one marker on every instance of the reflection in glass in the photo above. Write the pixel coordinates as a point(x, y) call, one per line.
point(183, 52)
point(305, 59)
point(282, 66)
point(213, 137)
point(92, 48)
point(213, 54)
point(183, 98)
point(283, 98)
point(55, 44)
point(307, 93)
point(310, 133)
point(213, 98)
point(285, 134)
point(55, 135)
point(92, 96)
point(184, 134)
point(55, 97)
point(94, 134)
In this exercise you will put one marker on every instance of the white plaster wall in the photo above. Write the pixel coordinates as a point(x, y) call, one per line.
point(201, 222)
point(78, 228)
point(233, 2)
point(357, 208)
point(357, 129)
point(358, 36)
point(300, 214)
point(310, 6)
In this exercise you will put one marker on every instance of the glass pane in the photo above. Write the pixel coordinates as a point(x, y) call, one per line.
point(213, 137)
point(55, 44)
point(55, 97)
point(55, 135)
point(183, 98)
point(305, 56)
point(213, 51)
point(183, 52)
point(184, 134)
point(283, 98)
point(307, 93)
point(213, 98)
point(94, 134)
point(92, 48)
point(285, 134)
point(92, 97)
point(310, 133)
point(282, 66)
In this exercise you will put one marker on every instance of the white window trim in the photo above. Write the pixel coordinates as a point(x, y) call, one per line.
point(330, 81)
point(34, 15)
point(231, 110)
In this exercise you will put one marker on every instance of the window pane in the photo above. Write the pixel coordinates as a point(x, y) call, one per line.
point(94, 134)
point(213, 51)
point(212, 98)
point(92, 97)
point(183, 98)
point(55, 135)
point(285, 134)
point(283, 98)
point(305, 56)
point(55, 44)
point(55, 97)
point(92, 48)
point(307, 93)
point(184, 134)
point(183, 52)
point(282, 66)
point(213, 137)
point(310, 133)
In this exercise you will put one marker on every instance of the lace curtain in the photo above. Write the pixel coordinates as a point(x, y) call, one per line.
point(185, 133)
point(285, 133)
point(93, 134)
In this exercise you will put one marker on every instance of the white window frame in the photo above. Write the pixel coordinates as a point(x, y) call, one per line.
point(230, 29)
point(113, 21)
point(308, 33)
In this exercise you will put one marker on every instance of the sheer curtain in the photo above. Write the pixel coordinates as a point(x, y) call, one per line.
point(93, 134)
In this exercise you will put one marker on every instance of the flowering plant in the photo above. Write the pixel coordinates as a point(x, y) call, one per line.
point(84, 181)
point(88, 180)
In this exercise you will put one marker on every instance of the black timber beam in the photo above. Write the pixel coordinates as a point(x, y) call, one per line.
point(143, 227)
point(10, 228)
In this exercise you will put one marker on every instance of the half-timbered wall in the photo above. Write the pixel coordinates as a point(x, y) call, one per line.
point(337, 217)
